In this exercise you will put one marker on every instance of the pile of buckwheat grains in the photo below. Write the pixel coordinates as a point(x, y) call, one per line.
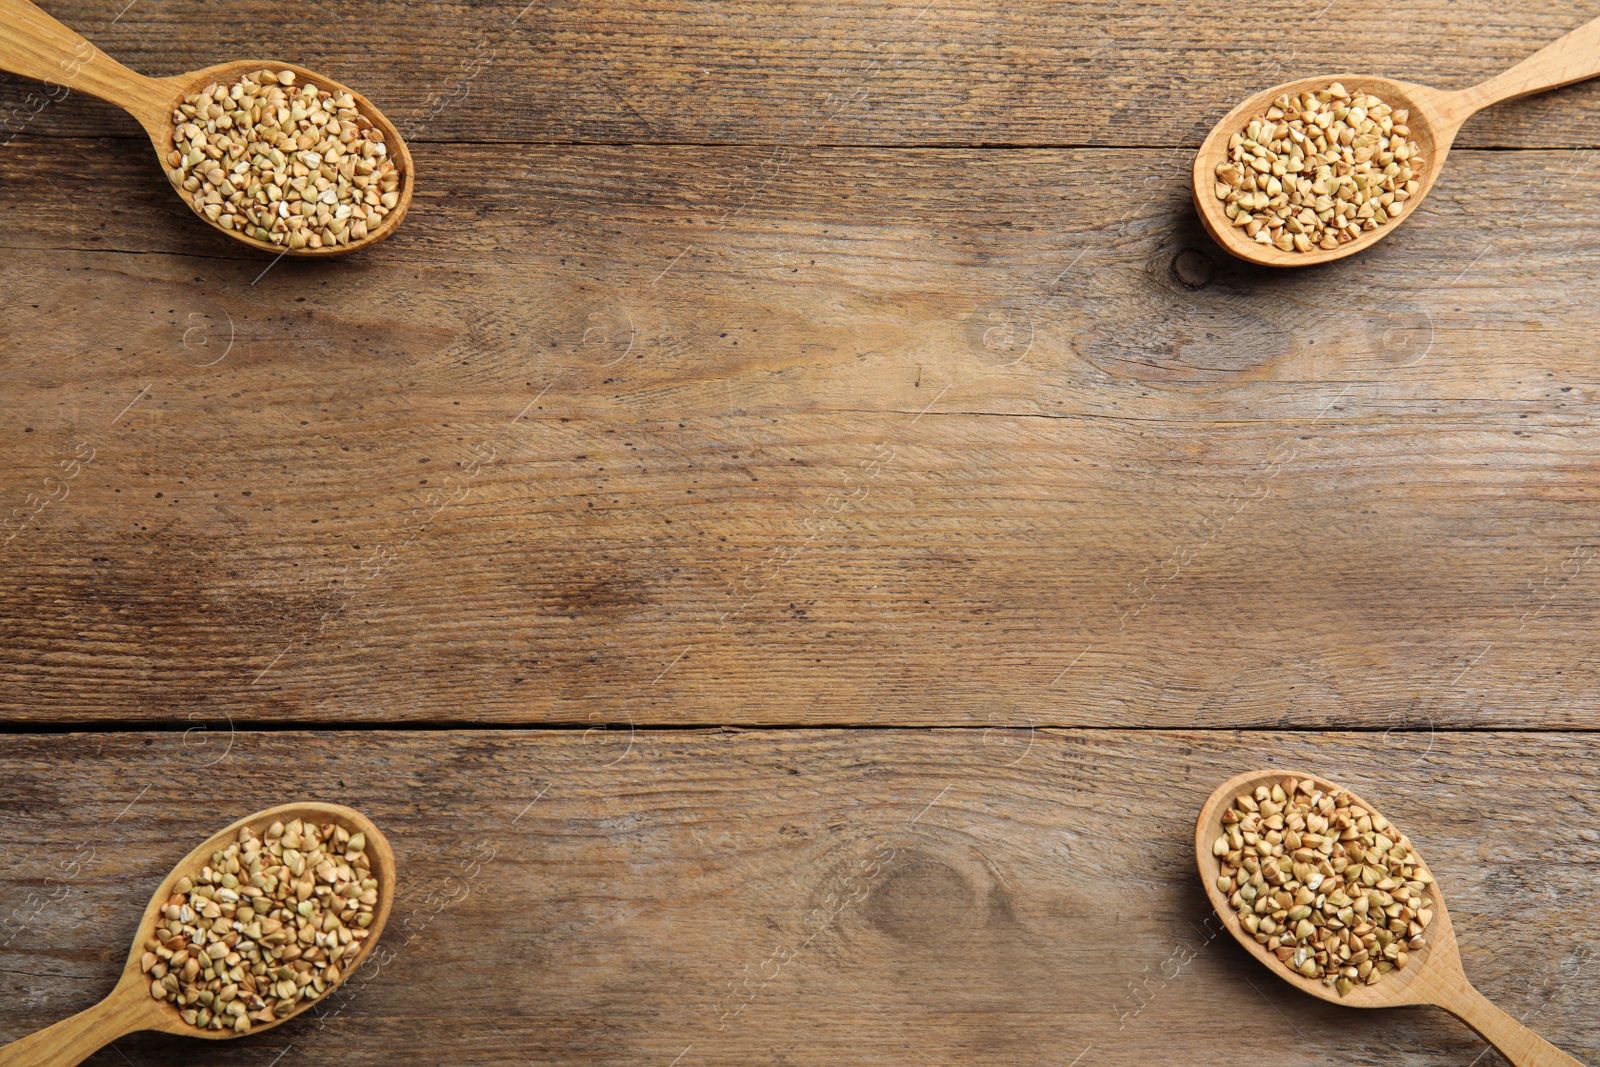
point(1331, 889)
point(265, 926)
point(1319, 169)
point(294, 166)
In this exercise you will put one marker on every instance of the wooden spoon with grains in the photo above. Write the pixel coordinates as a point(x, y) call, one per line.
point(1435, 118)
point(37, 46)
point(1433, 973)
point(130, 1006)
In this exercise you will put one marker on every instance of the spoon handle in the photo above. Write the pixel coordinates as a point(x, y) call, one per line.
point(1574, 58)
point(1516, 1042)
point(37, 46)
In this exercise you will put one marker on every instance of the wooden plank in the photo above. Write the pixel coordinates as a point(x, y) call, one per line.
point(778, 71)
point(911, 437)
point(873, 897)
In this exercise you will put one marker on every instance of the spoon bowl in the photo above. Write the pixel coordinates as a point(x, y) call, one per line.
point(1433, 974)
point(35, 45)
point(1428, 132)
point(130, 1007)
point(162, 129)
point(1436, 117)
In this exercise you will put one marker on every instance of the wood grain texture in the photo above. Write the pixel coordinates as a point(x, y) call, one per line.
point(764, 71)
point(660, 412)
point(759, 71)
point(861, 436)
point(801, 897)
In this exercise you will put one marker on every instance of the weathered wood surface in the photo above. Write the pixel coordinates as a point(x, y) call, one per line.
point(759, 71)
point(660, 411)
point(683, 434)
point(808, 897)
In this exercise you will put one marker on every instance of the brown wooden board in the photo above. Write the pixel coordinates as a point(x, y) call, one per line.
point(808, 897)
point(907, 73)
point(680, 435)
point(860, 370)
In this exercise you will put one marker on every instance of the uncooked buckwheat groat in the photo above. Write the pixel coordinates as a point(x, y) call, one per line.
point(1333, 890)
point(297, 167)
point(264, 926)
point(1319, 169)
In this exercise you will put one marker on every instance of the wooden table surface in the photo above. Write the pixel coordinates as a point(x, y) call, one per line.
point(791, 529)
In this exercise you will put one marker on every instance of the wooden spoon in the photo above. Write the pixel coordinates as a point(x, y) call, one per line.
point(1436, 116)
point(130, 1007)
point(37, 46)
point(1432, 975)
